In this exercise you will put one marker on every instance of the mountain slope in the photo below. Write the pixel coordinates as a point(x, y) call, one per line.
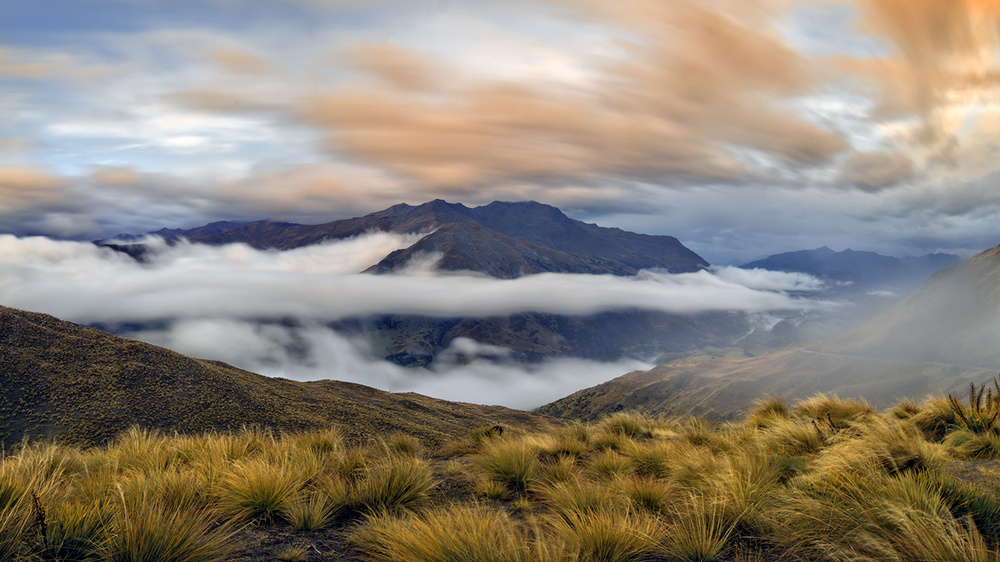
point(935, 341)
point(80, 384)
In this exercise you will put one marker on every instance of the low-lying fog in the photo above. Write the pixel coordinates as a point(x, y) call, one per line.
point(228, 302)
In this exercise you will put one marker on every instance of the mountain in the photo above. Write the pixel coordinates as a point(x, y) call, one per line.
point(937, 340)
point(79, 384)
point(503, 240)
point(867, 269)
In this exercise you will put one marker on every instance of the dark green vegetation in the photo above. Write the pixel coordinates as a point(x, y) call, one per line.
point(82, 385)
point(822, 479)
point(935, 341)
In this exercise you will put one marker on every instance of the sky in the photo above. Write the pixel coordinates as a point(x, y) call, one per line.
point(742, 127)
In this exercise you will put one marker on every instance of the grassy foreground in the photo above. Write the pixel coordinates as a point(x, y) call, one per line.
point(825, 479)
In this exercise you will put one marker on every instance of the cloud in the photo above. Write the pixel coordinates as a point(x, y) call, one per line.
point(21, 187)
point(693, 87)
point(765, 280)
point(321, 283)
point(268, 311)
point(236, 60)
point(314, 352)
point(873, 171)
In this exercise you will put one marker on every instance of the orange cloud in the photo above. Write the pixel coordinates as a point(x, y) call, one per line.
point(118, 176)
point(210, 99)
point(396, 66)
point(943, 53)
point(21, 187)
point(873, 171)
point(234, 60)
point(698, 85)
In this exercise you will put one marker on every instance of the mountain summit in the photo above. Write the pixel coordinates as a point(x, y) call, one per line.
point(502, 239)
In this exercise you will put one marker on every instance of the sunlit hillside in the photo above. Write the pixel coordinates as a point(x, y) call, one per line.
point(824, 479)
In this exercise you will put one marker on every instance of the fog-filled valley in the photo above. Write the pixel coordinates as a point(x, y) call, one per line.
point(275, 312)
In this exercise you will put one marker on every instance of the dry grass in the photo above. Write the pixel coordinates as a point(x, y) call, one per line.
point(825, 480)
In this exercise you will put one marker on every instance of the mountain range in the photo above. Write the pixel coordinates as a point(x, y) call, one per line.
point(867, 269)
point(502, 240)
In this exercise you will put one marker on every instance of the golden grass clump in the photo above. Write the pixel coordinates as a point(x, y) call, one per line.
point(513, 463)
point(567, 498)
point(767, 410)
point(259, 489)
point(392, 484)
point(472, 533)
point(618, 535)
point(837, 412)
point(149, 531)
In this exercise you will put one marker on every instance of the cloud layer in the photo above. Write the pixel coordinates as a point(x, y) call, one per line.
point(267, 311)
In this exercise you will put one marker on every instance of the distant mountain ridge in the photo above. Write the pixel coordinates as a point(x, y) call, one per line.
point(868, 269)
point(501, 239)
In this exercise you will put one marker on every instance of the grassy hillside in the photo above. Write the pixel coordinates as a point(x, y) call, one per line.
point(824, 479)
point(933, 342)
point(82, 385)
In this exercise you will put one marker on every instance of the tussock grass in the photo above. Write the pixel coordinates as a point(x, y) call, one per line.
point(472, 533)
point(768, 410)
point(393, 484)
point(512, 463)
point(699, 530)
point(648, 494)
point(619, 535)
point(577, 497)
point(836, 412)
point(311, 512)
point(632, 426)
point(259, 489)
point(149, 531)
point(826, 480)
point(936, 418)
point(609, 465)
